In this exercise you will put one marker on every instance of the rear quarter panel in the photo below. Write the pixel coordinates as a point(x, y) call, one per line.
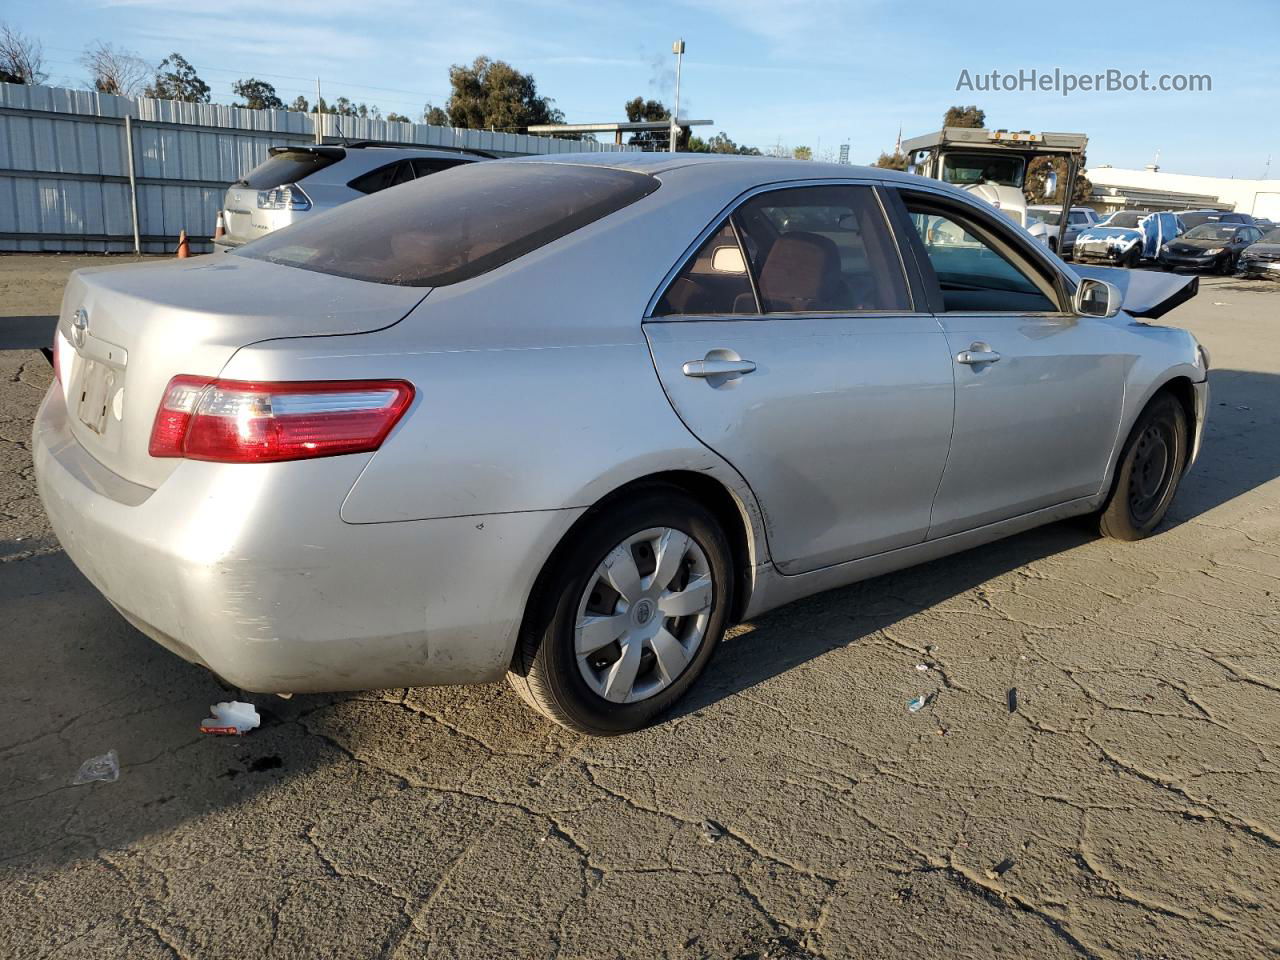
point(535, 389)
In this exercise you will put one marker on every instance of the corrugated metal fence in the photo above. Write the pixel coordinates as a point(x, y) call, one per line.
point(65, 179)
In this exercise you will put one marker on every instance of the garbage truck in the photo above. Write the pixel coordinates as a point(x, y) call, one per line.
point(992, 164)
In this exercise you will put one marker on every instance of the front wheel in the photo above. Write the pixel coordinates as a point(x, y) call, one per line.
point(1148, 472)
point(629, 617)
point(1133, 258)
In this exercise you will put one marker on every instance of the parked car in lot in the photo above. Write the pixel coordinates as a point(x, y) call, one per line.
point(1194, 218)
point(297, 182)
point(1078, 219)
point(1127, 237)
point(1262, 257)
point(1210, 246)
point(567, 420)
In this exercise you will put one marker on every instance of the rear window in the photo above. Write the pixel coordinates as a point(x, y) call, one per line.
point(459, 224)
point(289, 166)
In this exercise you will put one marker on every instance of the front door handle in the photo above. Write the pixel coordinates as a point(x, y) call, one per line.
point(978, 353)
point(717, 367)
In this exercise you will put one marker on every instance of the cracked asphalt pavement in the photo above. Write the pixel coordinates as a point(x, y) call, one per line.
point(1094, 774)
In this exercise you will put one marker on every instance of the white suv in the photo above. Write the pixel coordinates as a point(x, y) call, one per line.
point(297, 181)
point(1078, 219)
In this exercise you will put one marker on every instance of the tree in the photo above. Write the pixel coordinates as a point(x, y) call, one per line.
point(257, 94)
point(891, 161)
point(493, 94)
point(21, 58)
point(1038, 171)
point(178, 82)
point(641, 110)
point(720, 143)
point(802, 153)
point(969, 116)
point(300, 105)
point(394, 117)
point(115, 71)
point(435, 116)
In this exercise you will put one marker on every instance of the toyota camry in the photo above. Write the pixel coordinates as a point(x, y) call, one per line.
point(565, 420)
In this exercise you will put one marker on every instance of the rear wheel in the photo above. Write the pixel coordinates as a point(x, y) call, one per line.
point(1133, 257)
point(630, 616)
point(1147, 475)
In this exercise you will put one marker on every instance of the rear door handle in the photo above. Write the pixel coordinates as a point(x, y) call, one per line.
point(977, 353)
point(712, 367)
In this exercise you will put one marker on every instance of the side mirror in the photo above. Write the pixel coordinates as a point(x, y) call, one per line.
point(1096, 298)
point(1050, 185)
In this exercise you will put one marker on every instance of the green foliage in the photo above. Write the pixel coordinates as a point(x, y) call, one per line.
point(435, 116)
point(300, 105)
point(802, 153)
point(892, 161)
point(494, 94)
point(641, 110)
point(394, 117)
point(969, 116)
point(176, 79)
point(257, 95)
point(720, 143)
point(1038, 171)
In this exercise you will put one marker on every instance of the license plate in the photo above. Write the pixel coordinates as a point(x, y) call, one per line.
point(95, 394)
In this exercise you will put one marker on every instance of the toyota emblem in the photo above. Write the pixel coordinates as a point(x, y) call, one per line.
point(79, 326)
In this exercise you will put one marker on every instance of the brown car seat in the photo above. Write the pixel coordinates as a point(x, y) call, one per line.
point(801, 272)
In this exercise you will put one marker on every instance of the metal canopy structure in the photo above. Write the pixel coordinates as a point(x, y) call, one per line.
point(617, 129)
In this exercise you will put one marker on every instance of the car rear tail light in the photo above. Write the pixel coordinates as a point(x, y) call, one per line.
point(232, 421)
point(288, 196)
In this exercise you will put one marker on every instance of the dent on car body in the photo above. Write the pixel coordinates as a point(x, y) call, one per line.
point(1144, 293)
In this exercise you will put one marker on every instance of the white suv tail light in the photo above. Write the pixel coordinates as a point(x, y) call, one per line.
point(233, 421)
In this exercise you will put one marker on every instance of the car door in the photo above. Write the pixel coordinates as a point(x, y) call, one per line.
point(1038, 389)
point(788, 343)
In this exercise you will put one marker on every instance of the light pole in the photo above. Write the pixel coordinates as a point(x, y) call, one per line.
point(678, 49)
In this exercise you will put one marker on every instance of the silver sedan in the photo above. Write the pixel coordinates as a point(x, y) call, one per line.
point(565, 420)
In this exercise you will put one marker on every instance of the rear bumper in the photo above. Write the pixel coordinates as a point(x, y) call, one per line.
point(249, 570)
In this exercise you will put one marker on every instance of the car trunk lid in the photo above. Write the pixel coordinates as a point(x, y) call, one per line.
point(124, 332)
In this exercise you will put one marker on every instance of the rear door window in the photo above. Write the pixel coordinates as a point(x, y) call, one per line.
point(715, 281)
point(823, 249)
point(290, 166)
point(461, 224)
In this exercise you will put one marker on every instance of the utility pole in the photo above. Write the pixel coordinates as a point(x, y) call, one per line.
point(319, 135)
point(678, 49)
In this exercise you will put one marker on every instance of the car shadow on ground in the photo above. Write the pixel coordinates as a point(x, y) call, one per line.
point(1241, 451)
point(79, 681)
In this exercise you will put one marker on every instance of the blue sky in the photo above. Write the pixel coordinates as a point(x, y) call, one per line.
point(813, 72)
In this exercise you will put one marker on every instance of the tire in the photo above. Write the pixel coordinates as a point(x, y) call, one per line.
point(1225, 266)
point(1133, 258)
point(590, 693)
point(1148, 472)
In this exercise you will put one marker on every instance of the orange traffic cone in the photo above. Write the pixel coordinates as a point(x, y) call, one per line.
point(184, 248)
point(221, 228)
